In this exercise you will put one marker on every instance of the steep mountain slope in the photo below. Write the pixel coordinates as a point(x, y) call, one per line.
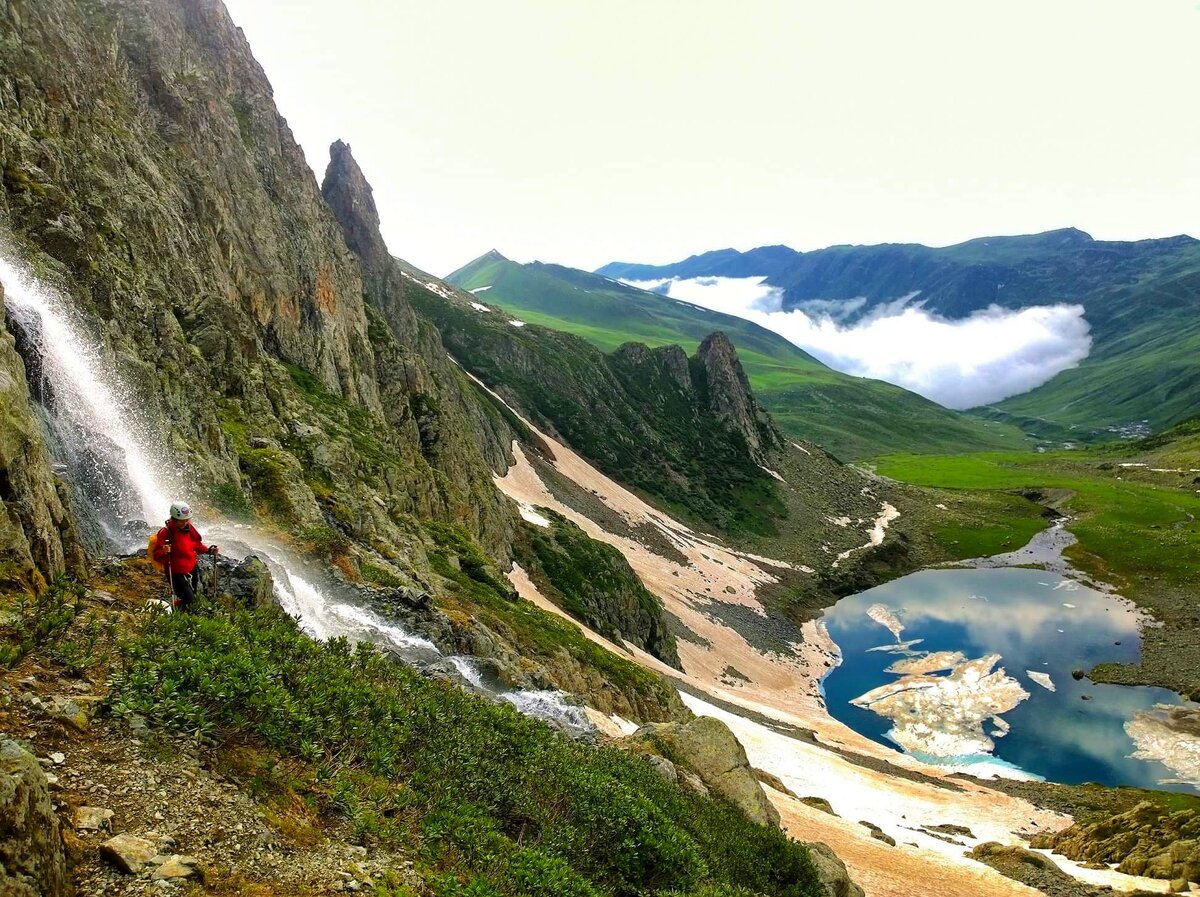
point(283, 380)
point(270, 373)
point(1140, 299)
point(852, 417)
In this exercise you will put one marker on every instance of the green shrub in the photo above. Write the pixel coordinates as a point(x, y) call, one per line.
point(35, 620)
point(493, 802)
point(325, 541)
point(230, 500)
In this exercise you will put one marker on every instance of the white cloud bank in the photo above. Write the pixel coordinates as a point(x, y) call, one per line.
point(993, 354)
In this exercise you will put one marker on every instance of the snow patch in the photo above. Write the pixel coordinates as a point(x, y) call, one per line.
point(517, 323)
point(479, 307)
point(530, 515)
point(1042, 679)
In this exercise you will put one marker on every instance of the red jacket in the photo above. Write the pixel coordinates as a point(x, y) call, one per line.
point(184, 546)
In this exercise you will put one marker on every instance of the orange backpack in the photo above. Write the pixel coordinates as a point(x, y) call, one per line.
point(152, 550)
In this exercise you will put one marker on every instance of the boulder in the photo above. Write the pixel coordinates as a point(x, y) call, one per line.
point(92, 819)
point(32, 861)
point(175, 867)
point(819, 803)
point(69, 711)
point(250, 582)
point(831, 871)
point(877, 833)
point(708, 747)
point(129, 853)
point(663, 767)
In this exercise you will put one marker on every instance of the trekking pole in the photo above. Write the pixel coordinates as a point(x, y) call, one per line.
point(216, 577)
point(170, 581)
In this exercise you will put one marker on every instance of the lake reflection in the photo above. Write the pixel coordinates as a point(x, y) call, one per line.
point(1037, 623)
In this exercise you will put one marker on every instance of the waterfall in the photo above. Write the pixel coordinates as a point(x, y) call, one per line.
point(121, 479)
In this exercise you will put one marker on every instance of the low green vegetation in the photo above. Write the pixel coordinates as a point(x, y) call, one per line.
point(487, 801)
point(29, 621)
point(594, 583)
point(1134, 509)
point(476, 589)
point(852, 417)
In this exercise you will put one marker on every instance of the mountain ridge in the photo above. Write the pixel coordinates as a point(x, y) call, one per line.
point(852, 417)
point(1139, 298)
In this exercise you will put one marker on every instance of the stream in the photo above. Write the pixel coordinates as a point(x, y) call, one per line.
point(116, 465)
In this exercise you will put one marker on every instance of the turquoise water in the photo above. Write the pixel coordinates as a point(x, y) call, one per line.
point(1022, 615)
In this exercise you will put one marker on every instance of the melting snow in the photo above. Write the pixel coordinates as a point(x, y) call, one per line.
point(517, 323)
point(481, 289)
point(886, 515)
point(529, 515)
point(478, 307)
point(1042, 679)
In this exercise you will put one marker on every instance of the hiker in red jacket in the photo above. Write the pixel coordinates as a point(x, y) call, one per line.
point(179, 543)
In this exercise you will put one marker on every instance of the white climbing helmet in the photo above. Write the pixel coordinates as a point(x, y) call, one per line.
point(180, 511)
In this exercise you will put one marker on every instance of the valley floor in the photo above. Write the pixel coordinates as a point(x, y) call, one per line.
point(771, 699)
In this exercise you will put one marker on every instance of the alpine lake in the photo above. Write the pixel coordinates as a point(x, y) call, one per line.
point(977, 669)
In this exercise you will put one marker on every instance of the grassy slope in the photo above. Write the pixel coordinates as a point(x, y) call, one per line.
point(850, 416)
point(1142, 367)
point(484, 801)
point(1136, 527)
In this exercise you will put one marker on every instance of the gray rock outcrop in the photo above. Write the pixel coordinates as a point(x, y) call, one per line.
point(32, 862)
point(706, 746)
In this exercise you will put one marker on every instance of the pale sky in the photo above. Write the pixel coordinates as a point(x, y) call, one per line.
point(646, 130)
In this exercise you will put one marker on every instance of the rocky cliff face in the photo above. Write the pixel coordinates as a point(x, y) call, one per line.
point(37, 536)
point(271, 348)
point(146, 169)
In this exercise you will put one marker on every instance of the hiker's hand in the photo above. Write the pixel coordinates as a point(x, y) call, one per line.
point(212, 549)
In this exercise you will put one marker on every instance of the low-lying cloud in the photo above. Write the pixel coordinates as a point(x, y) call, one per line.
point(993, 354)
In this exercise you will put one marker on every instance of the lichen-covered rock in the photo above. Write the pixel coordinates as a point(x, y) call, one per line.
point(248, 580)
point(129, 853)
point(832, 872)
point(32, 862)
point(706, 746)
point(1147, 840)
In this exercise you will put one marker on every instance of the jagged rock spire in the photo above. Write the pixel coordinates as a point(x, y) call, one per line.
point(730, 398)
point(348, 193)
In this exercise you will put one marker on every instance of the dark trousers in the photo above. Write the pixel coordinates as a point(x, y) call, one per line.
point(184, 586)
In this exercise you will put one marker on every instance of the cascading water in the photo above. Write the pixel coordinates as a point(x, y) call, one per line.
point(105, 450)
